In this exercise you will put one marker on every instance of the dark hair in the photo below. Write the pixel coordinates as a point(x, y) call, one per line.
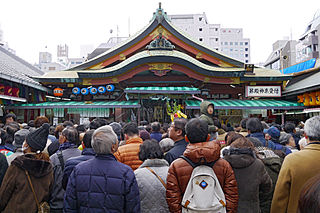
point(309, 201)
point(10, 129)
point(242, 143)
point(11, 115)
point(289, 127)
point(254, 125)
point(40, 120)
point(148, 128)
point(131, 129)
point(2, 136)
point(180, 123)
point(71, 135)
point(232, 136)
point(278, 127)
point(67, 123)
point(150, 149)
point(255, 141)
point(165, 127)
point(217, 123)
point(197, 130)
point(243, 123)
point(31, 123)
point(81, 128)
point(58, 129)
point(155, 126)
point(52, 130)
point(98, 122)
point(87, 138)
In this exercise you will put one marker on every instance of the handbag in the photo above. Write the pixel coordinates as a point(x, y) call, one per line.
point(43, 207)
point(159, 178)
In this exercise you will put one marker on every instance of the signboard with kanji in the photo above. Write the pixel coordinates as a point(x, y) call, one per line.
point(263, 91)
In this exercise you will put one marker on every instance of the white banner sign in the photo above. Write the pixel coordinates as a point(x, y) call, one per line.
point(263, 91)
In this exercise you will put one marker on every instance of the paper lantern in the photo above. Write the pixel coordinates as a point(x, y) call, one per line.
point(318, 97)
point(110, 87)
point(58, 92)
point(312, 100)
point(84, 91)
point(300, 98)
point(101, 89)
point(76, 90)
point(306, 100)
point(93, 90)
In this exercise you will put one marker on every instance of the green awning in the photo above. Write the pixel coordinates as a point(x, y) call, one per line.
point(78, 104)
point(247, 104)
point(163, 90)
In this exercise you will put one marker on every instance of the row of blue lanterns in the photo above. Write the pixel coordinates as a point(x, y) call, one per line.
point(93, 90)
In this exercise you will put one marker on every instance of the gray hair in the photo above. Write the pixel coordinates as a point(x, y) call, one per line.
point(102, 140)
point(312, 128)
point(166, 144)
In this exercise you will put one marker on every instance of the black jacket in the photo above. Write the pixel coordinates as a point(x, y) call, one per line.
point(176, 151)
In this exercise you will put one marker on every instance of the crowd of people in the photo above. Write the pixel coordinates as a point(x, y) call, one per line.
point(195, 165)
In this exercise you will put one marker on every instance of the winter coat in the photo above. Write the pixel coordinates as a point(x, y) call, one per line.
point(251, 177)
point(3, 166)
point(180, 172)
point(86, 154)
point(14, 155)
point(57, 195)
point(152, 192)
point(280, 147)
point(205, 116)
point(177, 150)
point(129, 153)
point(296, 170)
point(102, 184)
point(156, 135)
point(16, 194)
point(260, 136)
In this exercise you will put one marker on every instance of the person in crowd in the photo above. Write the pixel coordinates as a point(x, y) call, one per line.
point(68, 140)
point(67, 124)
point(28, 172)
point(149, 128)
point(54, 146)
point(232, 136)
point(111, 185)
point(10, 118)
point(166, 144)
point(250, 174)
point(255, 142)
point(87, 154)
point(200, 149)
point(273, 135)
point(3, 166)
point(296, 169)
point(221, 133)
point(255, 129)
point(290, 128)
point(165, 128)
point(155, 132)
point(117, 129)
point(129, 153)
point(19, 138)
point(229, 127)
point(144, 135)
point(39, 121)
point(309, 201)
point(303, 143)
point(51, 135)
point(177, 134)
point(151, 177)
point(11, 129)
point(243, 126)
point(98, 122)
point(287, 140)
point(81, 129)
point(3, 148)
point(207, 114)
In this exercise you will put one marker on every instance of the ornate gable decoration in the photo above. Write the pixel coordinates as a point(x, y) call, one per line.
point(160, 43)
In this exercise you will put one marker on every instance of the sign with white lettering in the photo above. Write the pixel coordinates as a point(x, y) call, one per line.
point(263, 91)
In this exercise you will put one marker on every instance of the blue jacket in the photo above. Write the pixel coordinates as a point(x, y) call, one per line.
point(102, 184)
point(156, 135)
point(86, 154)
point(260, 136)
point(278, 146)
point(176, 151)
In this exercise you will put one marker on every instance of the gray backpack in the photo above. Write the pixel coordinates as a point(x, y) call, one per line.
point(203, 193)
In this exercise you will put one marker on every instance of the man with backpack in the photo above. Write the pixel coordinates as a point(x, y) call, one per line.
point(200, 180)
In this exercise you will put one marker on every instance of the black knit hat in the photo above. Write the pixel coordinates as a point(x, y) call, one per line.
point(38, 138)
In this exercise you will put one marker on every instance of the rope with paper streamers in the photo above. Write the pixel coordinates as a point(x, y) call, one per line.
point(175, 111)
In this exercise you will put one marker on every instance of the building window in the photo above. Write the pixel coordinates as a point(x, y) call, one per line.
point(247, 61)
point(200, 39)
point(221, 43)
point(216, 29)
point(246, 43)
point(231, 50)
point(52, 68)
point(217, 39)
point(225, 43)
point(235, 43)
point(200, 18)
point(217, 49)
point(246, 55)
point(231, 43)
point(246, 49)
point(241, 43)
point(200, 29)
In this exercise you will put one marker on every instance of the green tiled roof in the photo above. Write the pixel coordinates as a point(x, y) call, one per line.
point(248, 104)
point(167, 90)
point(76, 104)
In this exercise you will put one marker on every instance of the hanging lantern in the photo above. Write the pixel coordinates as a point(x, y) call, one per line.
point(318, 97)
point(306, 100)
point(101, 89)
point(84, 91)
point(58, 92)
point(312, 99)
point(76, 90)
point(110, 87)
point(300, 98)
point(93, 90)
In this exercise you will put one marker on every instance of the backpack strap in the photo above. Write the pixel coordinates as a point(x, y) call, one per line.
point(60, 157)
point(194, 165)
point(159, 178)
point(31, 186)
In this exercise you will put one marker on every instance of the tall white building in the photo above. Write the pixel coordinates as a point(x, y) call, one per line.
point(229, 41)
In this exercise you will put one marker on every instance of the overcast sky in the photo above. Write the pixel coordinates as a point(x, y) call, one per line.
point(30, 25)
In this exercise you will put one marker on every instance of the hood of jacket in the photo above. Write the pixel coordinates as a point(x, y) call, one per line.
point(239, 158)
point(204, 108)
point(154, 163)
point(273, 163)
point(204, 151)
point(35, 167)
